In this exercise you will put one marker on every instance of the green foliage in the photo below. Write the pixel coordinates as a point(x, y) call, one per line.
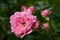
point(8, 7)
point(55, 4)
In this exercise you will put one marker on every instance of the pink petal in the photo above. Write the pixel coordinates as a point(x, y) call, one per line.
point(20, 35)
point(24, 8)
point(31, 8)
point(29, 31)
point(35, 25)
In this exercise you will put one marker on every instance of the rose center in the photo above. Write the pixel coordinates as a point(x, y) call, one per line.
point(23, 24)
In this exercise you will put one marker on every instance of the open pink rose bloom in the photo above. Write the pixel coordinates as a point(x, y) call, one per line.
point(23, 23)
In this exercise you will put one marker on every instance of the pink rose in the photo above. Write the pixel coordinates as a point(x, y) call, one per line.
point(31, 8)
point(24, 8)
point(36, 24)
point(45, 26)
point(23, 23)
point(45, 13)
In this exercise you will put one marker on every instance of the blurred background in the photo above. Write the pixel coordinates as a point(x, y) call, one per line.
point(8, 7)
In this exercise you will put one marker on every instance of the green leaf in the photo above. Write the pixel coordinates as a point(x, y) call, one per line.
point(54, 21)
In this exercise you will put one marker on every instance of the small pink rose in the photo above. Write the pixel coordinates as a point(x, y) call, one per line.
point(24, 8)
point(35, 25)
point(45, 13)
point(45, 26)
point(30, 9)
